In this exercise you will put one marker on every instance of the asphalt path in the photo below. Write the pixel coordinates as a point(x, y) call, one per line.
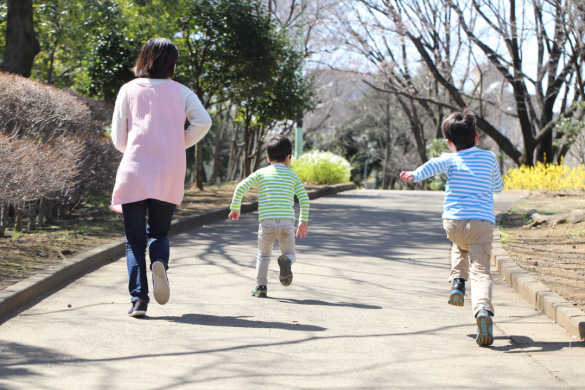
point(367, 309)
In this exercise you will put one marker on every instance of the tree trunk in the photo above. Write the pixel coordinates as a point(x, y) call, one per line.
point(386, 149)
point(22, 45)
point(62, 206)
point(41, 216)
point(261, 133)
point(199, 166)
point(32, 215)
point(3, 217)
point(237, 164)
point(50, 206)
point(190, 170)
point(416, 129)
point(247, 147)
point(219, 146)
point(234, 154)
point(18, 216)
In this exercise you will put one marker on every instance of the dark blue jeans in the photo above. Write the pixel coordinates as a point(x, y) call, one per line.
point(141, 234)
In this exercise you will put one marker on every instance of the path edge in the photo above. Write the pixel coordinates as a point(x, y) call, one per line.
point(17, 296)
point(527, 287)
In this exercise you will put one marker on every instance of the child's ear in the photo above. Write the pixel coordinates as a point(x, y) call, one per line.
point(267, 159)
point(476, 137)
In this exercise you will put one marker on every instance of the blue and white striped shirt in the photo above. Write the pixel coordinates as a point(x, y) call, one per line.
point(473, 176)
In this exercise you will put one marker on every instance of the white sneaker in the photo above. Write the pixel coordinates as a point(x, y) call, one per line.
point(160, 282)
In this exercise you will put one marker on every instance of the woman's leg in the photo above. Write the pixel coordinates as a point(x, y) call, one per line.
point(160, 216)
point(135, 227)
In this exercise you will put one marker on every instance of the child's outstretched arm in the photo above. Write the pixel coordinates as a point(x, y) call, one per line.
point(430, 168)
point(241, 189)
point(301, 193)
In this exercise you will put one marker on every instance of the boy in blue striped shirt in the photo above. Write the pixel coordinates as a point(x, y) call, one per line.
point(473, 176)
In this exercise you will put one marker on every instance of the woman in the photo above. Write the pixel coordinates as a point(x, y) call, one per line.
point(148, 126)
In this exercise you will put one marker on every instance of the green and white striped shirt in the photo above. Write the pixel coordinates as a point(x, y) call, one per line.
point(277, 185)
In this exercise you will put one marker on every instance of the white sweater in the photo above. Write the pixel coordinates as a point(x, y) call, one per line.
point(199, 119)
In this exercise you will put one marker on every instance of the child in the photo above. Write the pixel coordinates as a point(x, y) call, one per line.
point(277, 185)
point(473, 176)
point(148, 126)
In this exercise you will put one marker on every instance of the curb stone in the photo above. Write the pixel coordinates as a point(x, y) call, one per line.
point(13, 298)
point(533, 291)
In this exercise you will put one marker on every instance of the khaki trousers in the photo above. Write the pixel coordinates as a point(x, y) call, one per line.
point(471, 254)
point(269, 231)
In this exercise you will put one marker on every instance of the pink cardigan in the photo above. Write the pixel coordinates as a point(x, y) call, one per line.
point(153, 165)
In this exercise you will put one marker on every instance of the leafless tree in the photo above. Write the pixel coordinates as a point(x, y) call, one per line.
point(528, 42)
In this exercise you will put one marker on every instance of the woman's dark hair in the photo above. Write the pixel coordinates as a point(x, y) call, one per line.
point(278, 148)
point(459, 128)
point(157, 59)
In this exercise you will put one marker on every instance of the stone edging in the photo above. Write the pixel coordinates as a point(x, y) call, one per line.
point(534, 292)
point(18, 295)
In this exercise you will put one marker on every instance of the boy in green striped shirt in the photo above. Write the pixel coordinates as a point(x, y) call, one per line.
point(277, 185)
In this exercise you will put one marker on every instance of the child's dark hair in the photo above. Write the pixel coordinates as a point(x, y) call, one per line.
point(157, 59)
point(459, 128)
point(278, 148)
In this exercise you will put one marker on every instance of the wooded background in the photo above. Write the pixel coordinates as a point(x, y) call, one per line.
point(370, 80)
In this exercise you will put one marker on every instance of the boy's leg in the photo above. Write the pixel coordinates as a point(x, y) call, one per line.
point(266, 237)
point(480, 256)
point(459, 261)
point(459, 255)
point(135, 228)
point(286, 241)
point(459, 274)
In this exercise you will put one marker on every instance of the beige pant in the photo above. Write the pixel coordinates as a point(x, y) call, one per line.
point(472, 246)
point(269, 231)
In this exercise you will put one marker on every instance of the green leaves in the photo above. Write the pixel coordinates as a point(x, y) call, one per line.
point(235, 52)
point(110, 61)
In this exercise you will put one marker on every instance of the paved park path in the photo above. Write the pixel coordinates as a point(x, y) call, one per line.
point(367, 309)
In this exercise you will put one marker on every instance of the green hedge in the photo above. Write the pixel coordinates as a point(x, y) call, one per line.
point(322, 168)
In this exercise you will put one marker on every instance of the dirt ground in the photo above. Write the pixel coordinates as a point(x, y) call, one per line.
point(25, 253)
point(553, 255)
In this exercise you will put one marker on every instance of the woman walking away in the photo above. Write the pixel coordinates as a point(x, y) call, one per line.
point(149, 128)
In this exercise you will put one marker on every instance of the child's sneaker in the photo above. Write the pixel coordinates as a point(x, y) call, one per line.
point(160, 283)
point(260, 291)
point(138, 309)
point(286, 276)
point(484, 328)
point(457, 292)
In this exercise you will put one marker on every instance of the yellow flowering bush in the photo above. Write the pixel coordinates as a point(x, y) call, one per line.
point(546, 178)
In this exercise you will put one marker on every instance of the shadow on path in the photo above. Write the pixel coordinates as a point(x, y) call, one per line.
point(235, 322)
point(523, 344)
point(323, 303)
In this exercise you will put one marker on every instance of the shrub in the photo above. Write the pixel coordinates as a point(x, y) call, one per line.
point(322, 167)
point(52, 148)
point(546, 177)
